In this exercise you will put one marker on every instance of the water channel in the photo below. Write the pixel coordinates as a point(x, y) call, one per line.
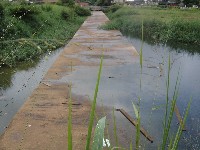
point(17, 86)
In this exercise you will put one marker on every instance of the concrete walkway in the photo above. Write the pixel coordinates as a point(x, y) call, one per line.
point(42, 121)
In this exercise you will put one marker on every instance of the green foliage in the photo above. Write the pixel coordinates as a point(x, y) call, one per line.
point(121, 12)
point(25, 39)
point(171, 28)
point(99, 135)
point(181, 126)
point(67, 2)
point(1, 12)
point(82, 11)
point(70, 120)
point(185, 31)
point(24, 11)
point(191, 2)
point(46, 7)
point(113, 8)
point(103, 2)
point(92, 113)
point(115, 128)
point(168, 118)
point(66, 14)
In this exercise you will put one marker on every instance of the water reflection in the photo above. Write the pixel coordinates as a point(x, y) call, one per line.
point(183, 60)
point(7, 73)
point(16, 84)
point(190, 49)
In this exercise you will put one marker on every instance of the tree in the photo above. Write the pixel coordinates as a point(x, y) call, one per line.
point(191, 2)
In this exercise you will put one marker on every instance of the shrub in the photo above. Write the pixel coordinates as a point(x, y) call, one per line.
point(24, 11)
point(82, 11)
point(114, 8)
point(66, 14)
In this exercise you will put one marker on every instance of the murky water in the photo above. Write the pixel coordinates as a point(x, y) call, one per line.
point(17, 84)
point(154, 90)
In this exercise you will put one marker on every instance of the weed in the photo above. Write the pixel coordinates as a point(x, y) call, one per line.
point(92, 113)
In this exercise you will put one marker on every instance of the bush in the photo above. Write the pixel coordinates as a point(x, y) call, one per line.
point(114, 8)
point(82, 11)
point(24, 11)
point(66, 14)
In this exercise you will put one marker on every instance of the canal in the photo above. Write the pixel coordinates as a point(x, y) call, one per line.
point(18, 83)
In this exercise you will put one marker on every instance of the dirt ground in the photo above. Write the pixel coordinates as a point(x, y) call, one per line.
point(41, 123)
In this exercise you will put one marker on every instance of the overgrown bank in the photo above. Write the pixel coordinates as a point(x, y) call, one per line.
point(27, 31)
point(160, 25)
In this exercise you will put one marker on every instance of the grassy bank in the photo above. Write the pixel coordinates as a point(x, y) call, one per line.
point(160, 25)
point(27, 31)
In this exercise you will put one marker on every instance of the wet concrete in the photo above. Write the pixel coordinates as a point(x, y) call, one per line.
point(42, 121)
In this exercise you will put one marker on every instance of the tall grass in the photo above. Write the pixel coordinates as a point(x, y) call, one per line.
point(92, 113)
point(70, 119)
point(137, 110)
point(181, 127)
point(115, 128)
point(168, 119)
point(159, 25)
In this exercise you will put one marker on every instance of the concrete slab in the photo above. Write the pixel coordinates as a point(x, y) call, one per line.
point(42, 121)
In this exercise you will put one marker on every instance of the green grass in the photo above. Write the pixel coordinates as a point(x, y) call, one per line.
point(92, 113)
point(70, 119)
point(160, 25)
point(25, 37)
point(115, 128)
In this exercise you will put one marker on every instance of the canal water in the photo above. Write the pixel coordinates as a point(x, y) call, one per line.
point(120, 87)
point(184, 64)
point(16, 84)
